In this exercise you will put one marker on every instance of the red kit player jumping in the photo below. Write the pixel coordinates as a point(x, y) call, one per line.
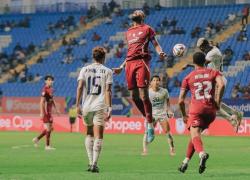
point(202, 109)
point(137, 66)
point(46, 104)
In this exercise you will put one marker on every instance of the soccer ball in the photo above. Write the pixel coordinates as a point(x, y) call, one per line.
point(179, 49)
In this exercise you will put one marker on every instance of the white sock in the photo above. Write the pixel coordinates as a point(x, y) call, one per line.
point(144, 143)
point(186, 160)
point(201, 153)
point(97, 150)
point(89, 143)
point(150, 126)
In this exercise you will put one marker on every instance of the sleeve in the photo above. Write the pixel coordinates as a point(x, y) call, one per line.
point(209, 56)
point(81, 75)
point(217, 73)
point(167, 94)
point(109, 77)
point(151, 33)
point(184, 84)
point(44, 92)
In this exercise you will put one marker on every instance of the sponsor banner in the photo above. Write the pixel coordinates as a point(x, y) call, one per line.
point(34, 123)
point(120, 106)
point(118, 125)
point(28, 105)
point(239, 104)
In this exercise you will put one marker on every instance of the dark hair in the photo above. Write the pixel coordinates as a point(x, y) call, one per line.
point(155, 76)
point(48, 76)
point(98, 53)
point(199, 58)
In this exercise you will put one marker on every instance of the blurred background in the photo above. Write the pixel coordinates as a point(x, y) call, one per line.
point(39, 37)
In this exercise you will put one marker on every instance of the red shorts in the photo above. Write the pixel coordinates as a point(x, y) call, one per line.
point(137, 74)
point(201, 120)
point(47, 118)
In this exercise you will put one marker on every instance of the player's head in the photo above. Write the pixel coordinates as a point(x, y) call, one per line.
point(199, 59)
point(99, 54)
point(203, 44)
point(138, 16)
point(155, 81)
point(49, 79)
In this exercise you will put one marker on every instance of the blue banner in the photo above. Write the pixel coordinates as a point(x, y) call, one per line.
point(120, 106)
point(239, 104)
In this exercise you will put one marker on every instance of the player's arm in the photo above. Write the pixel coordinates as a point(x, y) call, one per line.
point(54, 104)
point(158, 48)
point(42, 106)
point(169, 111)
point(181, 103)
point(78, 96)
point(120, 68)
point(108, 97)
point(219, 90)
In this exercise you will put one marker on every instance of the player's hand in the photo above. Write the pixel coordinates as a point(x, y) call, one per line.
point(41, 115)
point(117, 70)
point(57, 112)
point(185, 119)
point(170, 114)
point(162, 55)
point(109, 113)
point(78, 111)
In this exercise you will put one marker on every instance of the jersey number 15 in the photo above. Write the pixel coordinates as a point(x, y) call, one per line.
point(94, 87)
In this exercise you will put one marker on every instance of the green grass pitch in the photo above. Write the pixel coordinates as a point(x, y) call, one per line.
point(120, 158)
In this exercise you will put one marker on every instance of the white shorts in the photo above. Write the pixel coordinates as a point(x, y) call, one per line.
point(160, 117)
point(94, 118)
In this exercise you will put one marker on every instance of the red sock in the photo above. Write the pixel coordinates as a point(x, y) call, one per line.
point(48, 138)
point(139, 104)
point(42, 134)
point(190, 149)
point(148, 110)
point(198, 146)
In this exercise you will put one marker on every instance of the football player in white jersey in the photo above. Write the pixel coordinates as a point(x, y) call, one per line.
point(161, 112)
point(214, 60)
point(94, 90)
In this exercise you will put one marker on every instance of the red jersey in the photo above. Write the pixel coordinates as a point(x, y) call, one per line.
point(138, 38)
point(201, 83)
point(47, 93)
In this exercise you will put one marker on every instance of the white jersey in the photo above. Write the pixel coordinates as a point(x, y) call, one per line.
point(214, 56)
point(95, 79)
point(158, 101)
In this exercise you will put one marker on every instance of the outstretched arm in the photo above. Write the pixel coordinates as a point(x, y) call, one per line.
point(158, 48)
point(120, 68)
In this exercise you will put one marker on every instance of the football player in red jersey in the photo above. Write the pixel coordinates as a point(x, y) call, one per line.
point(202, 110)
point(137, 65)
point(46, 103)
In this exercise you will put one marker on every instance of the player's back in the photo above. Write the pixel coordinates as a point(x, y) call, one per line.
point(138, 38)
point(215, 58)
point(201, 83)
point(96, 77)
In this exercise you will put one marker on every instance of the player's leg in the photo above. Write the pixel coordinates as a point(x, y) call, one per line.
point(89, 139)
point(145, 143)
point(232, 115)
point(98, 135)
point(138, 102)
point(89, 143)
point(189, 154)
point(198, 146)
point(166, 128)
point(49, 128)
point(43, 133)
